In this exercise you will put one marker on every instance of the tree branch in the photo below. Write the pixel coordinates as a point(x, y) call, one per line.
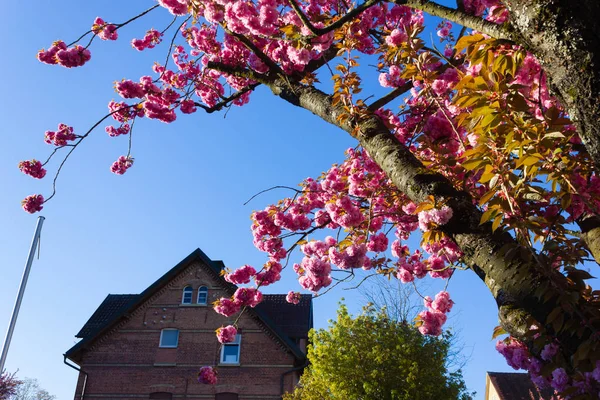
point(461, 18)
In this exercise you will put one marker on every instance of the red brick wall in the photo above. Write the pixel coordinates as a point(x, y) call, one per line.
point(127, 362)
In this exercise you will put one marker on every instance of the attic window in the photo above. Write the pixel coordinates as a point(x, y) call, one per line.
point(230, 352)
point(202, 295)
point(188, 292)
point(169, 338)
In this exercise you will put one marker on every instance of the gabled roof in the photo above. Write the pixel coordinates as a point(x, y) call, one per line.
point(275, 316)
point(518, 386)
point(111, 307)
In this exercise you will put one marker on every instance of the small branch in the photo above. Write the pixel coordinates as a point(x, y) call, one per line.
point(252, 47)
point(394, 94)
point(316, 32)
point(219, 106)
point(269, 189)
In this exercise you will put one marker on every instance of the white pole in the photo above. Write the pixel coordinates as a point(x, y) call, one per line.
point(15, 314)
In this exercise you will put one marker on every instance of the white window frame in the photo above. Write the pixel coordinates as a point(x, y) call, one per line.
point(198, 297)
point(237, 342)
point(190, 291)
point(160, 343)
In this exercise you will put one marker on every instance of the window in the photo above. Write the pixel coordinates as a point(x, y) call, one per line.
point(161, 395)
point(169, 338)
point(202, 295)
point(188, 292)
point(226, 396)
point(230, 352)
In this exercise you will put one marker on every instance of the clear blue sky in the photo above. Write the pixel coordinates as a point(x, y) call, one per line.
point(117, 234)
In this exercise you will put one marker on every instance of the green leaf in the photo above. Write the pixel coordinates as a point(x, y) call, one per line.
point(499, 330)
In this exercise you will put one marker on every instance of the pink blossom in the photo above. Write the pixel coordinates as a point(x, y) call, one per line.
point(442, 302)
point(431, 219)
point(516, 353)
point(378, 243)
point(241, 275)
point(549, 351)
point(187, 106)
point(72, 57)
point(226, 334)
point(226, 307)
point(121, 130)
point(207, 375)
point(396, 38)
point(121, 166)
point(247, 297)
point(61, 137)
point(560, 379)
point(293, 297)
point(33, 203)
point(151, 39)
point(175, 7)
point(49, 56)
point(432, 322)
point(32, 168)
point(103, 30)
point(444, 29)
point(129, 89)
point(270, 274)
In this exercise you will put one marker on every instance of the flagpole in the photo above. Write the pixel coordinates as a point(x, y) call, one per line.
point(15, 313)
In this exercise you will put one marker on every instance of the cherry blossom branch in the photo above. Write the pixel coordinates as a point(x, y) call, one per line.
point(74, 146)
point(117, 26)
point(335, 25)
point(460, 17)
point(269, 189)
point(219, 106)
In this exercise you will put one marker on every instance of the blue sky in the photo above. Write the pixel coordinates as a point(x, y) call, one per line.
point(117, 234)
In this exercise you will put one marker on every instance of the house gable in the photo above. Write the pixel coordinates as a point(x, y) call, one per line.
point(159, 307)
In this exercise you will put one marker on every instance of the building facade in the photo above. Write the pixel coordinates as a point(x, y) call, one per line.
point(151, 345)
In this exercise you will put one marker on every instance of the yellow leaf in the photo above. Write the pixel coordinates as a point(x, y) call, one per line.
point(486, 197)
point(496, 223)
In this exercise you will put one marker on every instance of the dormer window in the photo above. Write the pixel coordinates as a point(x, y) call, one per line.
point(203, 295)
point(188, 293)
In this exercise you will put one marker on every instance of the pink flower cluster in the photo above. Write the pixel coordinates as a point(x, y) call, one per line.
point(207, 375)
point(33, 203)
point(226, 334)
point(226, 307)
point(443, 30)
point(247, 297)
point(175, 7)
point(121, 166)
point(241, 275)
point(435, 316)
point(151, 39)
point(270, 273)
point(431, 219)
point(515, 352)
point(61, 137)
point(32, 168)
point(121, 130)
point(293, 297)
point(103, 30)
point(314, 273)
point(58, 53)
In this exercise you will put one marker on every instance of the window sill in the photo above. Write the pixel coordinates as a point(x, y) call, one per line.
point(229, 364)
point(165, 364)
point(193, 305)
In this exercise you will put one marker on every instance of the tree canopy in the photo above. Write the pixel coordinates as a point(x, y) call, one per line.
point(375, 357)
point(487, 149)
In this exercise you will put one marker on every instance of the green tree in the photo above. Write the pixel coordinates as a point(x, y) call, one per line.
point(375, 357)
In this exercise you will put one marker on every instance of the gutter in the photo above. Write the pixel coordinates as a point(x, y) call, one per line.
point(81, 397)
point(289, 371)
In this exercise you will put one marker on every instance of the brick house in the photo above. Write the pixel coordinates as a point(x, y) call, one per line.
point(151, 345)
point(514, 386)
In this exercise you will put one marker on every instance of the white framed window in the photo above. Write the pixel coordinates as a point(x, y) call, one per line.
point(188, 293)
point(169, 338)
point(230, 352)
point(203, 295)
